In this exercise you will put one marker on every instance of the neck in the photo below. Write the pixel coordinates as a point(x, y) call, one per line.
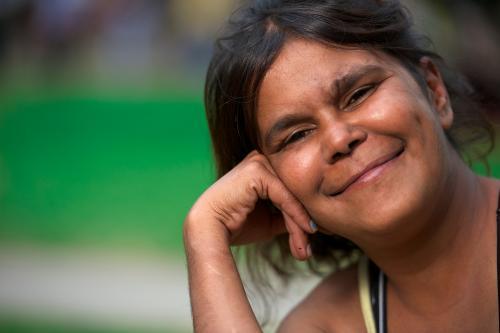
point(447, 249)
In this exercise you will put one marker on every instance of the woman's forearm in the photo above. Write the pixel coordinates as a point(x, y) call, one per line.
point(228, 213)
point(218, 299)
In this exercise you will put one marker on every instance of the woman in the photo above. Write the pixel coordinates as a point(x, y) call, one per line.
point(335, 114)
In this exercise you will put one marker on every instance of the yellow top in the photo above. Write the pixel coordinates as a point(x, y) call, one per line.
point(364, 295)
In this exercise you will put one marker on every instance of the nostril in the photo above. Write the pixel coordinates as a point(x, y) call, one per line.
point(336, 157)
point(354, 144)
point(345, 152)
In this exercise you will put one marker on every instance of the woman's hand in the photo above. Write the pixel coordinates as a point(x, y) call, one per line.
point(232, 210)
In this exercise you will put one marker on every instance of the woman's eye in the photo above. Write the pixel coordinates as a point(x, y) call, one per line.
point(296, 136)
point(358, 95)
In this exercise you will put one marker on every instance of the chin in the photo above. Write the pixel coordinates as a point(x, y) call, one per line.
point(387, 211)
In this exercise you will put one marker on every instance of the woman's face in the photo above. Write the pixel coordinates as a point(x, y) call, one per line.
point(354, 137)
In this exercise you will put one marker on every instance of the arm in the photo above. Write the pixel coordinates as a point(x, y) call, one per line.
point(228, 213)
point(218, 300)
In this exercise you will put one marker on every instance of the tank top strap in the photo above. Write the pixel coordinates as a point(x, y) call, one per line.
point(364, 295)
point(378, 284)
point(372, 286)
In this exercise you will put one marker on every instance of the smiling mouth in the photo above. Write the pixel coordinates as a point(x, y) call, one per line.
point(372, 170)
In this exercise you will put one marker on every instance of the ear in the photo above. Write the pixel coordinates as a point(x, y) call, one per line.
point(438, 95)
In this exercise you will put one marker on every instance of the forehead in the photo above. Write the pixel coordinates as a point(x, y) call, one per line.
point(303, 61)
point(304, 71)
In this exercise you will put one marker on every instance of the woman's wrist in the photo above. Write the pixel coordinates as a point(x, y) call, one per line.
point(205, 236)
point(218, 299)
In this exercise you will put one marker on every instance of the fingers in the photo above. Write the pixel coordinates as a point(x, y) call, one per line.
point(234, 199)
point(297, 220)
point(273, 189)
point(299, 245)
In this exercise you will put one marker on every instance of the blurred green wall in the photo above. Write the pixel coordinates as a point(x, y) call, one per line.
point(100, 168)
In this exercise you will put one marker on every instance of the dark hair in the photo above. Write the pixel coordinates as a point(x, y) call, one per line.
point(253, 38)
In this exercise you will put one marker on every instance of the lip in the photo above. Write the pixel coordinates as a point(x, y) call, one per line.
point(371, 171)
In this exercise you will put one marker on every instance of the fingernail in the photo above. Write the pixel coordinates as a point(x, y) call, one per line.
point(309, 250)
point(314, 226)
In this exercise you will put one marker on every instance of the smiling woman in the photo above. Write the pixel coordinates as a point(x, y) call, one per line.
point(334, 113)
point(354, 150)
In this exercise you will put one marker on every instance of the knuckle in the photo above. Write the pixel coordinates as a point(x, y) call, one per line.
point(255, 186)
point(256, 169)
point(255, 156)
point(253, 153)
point(254, 166)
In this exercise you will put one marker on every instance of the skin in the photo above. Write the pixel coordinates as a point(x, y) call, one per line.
point(365, 157)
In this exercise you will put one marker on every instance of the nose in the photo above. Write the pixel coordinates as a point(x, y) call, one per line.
point(340, 139)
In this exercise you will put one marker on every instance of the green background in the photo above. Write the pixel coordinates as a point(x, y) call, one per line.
point(90, 168)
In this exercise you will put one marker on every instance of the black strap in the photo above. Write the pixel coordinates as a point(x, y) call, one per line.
point(378, 283)
point(373, 273)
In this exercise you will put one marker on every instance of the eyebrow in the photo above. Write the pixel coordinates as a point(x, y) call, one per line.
point(283, 123)
point(338, 87)
point(346, 81)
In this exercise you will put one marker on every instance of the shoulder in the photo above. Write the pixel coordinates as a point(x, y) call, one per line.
point(333, 306)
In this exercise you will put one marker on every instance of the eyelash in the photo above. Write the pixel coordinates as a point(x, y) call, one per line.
point(360, 94)
point(298, 135)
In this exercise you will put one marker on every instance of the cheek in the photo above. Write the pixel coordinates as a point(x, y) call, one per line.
point(405, 114)
point(397, 111)
point(411, 119)
point(299, 171)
